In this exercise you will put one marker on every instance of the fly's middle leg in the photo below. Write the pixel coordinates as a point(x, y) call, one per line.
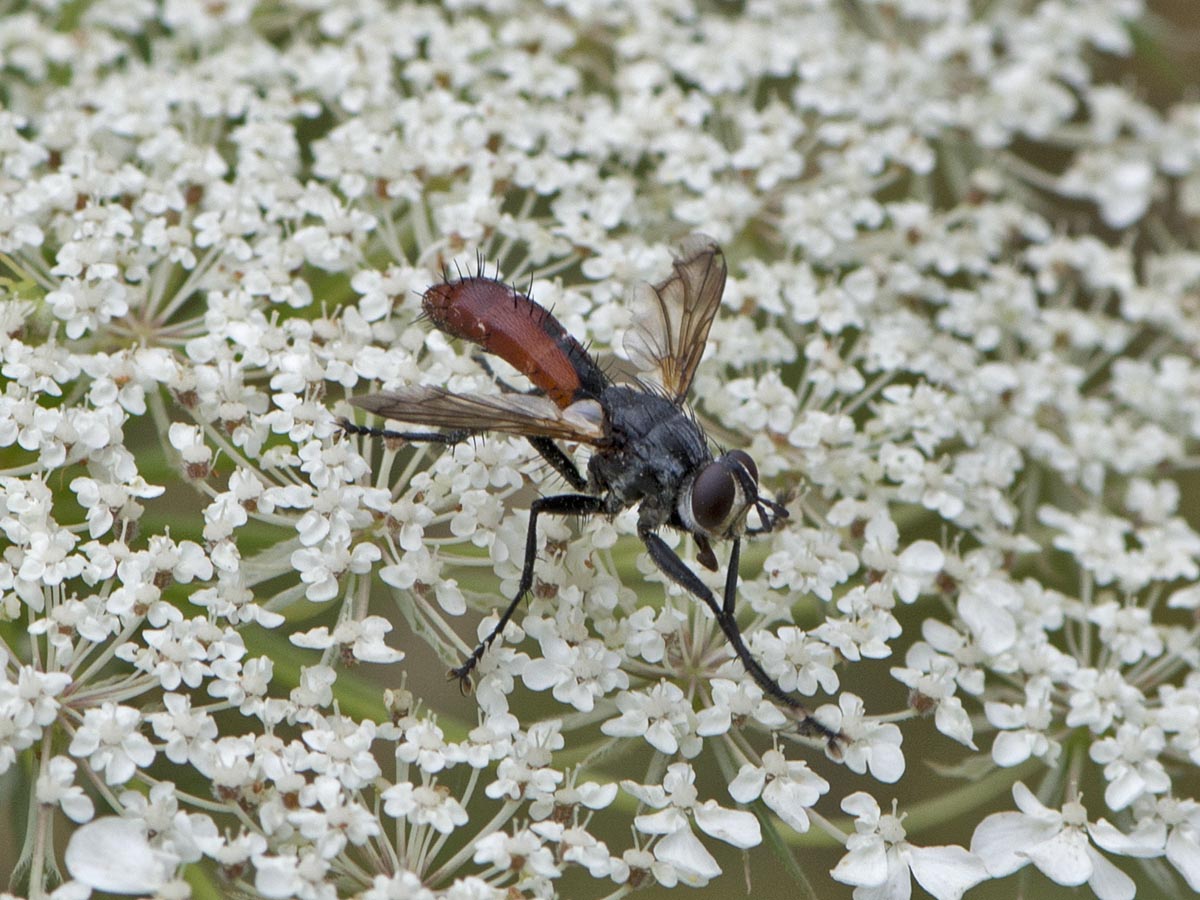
point(563, 465)
point(559, 505)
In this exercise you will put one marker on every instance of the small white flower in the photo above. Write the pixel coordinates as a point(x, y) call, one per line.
point(424, 744)
point(871, 746)
point(879, 858)
point(110, 740)
point(184, 729)
point(660, 715)
point(675, 801)
point(343, 747)
point(796, 660)
point(578, 846)
point(1056, 842)
point(1100, 696)
point(1128, 630)
point(737, 700)
point(1024, 728)
point(56, 785)
point(366, 639)
point(289, 875)
point(578, 673)
point(399, 886)
point(522, 852)
point(787, 787)
point(1131, 764)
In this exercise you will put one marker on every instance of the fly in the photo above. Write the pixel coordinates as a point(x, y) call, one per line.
point(647, 449)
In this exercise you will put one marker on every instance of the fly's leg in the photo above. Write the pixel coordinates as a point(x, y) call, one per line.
point(675, 569)
point(562, 463)
point(559, 505)
point(451, 437)
point(549, 450)
point(484, 363)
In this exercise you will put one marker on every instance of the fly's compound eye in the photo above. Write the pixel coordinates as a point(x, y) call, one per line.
point(713, 493)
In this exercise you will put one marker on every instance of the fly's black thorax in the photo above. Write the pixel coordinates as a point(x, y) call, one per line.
point(652, 451)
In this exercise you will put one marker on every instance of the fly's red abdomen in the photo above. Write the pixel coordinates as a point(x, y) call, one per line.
point(524, 334)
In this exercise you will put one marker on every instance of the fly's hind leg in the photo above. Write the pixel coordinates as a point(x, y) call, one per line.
point(448, 437)
point(559, 505)
point(549, 450)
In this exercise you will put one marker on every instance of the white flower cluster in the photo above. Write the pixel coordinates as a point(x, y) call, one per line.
point(961, 338)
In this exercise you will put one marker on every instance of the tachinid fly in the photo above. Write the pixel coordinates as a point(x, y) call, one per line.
point(646, 448)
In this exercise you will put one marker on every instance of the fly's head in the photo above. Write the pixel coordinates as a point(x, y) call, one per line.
point(717, 501)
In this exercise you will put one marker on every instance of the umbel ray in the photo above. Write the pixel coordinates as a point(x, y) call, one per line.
point(647, 449)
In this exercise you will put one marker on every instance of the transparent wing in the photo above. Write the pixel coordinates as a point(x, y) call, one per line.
point(673, 317)
point(521, 414)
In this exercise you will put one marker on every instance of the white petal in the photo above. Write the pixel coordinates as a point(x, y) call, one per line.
point(789, 799)
point(1125, 199)
point(1011, 748)
point(886, 762)
point(733, 826)
point(1107, 881)
point(925, 557)
point(1145, 841)
point(897, 885)
point(112, 854)
point(541, 674)
point(78, 807)
point(1124, 789)
point(450, 598)
point(72, 890)
point(867, 866)
point(683, 850)
point(661, 736)
point(1183, 851)
point(861, 805)
point(275, 877)
point(748, 784)
point(1064, 858)
point(946, 872)
point(1032, 806)
point(650, 794)
point(1001, 839)
point(1004, 715)
point(596, 796)
point(665, 821)
point(952, 721)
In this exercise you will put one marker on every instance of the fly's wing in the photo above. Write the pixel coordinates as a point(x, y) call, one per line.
point(520, 414)
point(673, 317)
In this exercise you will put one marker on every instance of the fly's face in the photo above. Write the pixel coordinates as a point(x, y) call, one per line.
point(716, 502)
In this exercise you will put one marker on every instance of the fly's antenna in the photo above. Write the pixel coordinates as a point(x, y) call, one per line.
point(770, 513)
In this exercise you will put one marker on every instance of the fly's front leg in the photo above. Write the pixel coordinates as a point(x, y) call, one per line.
point(560, 505)
point(674, 568)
